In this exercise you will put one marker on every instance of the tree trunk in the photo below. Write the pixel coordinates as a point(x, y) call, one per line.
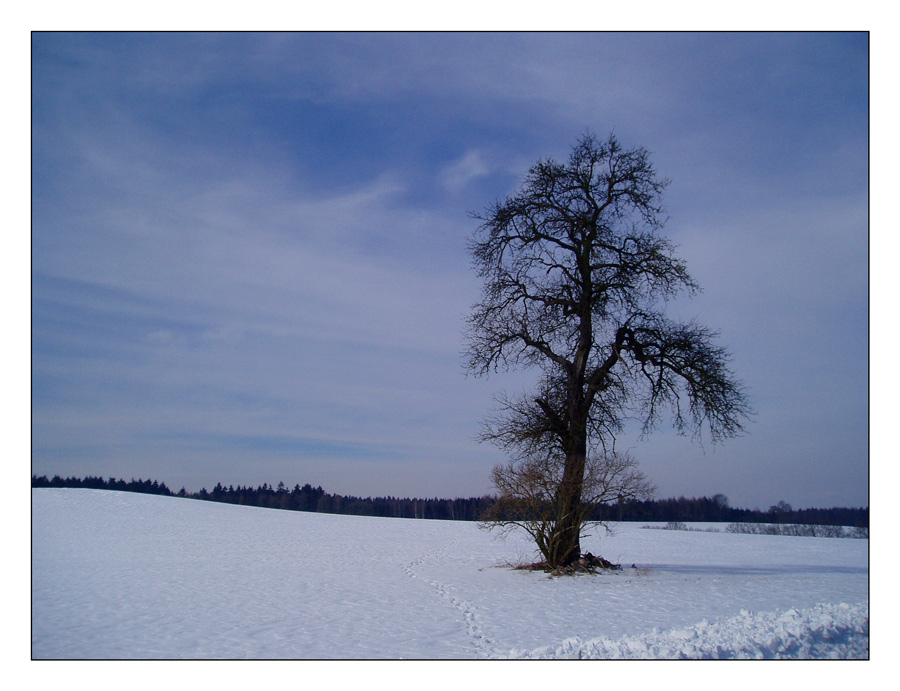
point(566, 539)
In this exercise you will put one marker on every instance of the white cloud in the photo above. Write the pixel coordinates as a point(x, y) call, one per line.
point(463, 171)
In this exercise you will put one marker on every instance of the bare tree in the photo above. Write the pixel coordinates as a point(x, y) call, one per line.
point(575, 278)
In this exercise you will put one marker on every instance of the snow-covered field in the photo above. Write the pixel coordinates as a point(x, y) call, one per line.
point(119, 575)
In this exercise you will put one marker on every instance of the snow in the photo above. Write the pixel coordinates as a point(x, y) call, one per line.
point(830, 631)
point(121, 575)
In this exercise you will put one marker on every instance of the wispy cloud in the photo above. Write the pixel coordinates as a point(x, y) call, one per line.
point(465, 170)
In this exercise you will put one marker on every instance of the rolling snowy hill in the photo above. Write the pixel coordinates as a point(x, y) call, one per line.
point(118, 575)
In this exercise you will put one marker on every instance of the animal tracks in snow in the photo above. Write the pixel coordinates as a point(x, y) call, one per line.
point(483, 646)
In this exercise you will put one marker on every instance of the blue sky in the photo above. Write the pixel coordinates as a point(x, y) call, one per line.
point(249, 264)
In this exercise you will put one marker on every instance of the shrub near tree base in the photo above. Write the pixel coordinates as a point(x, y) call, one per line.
point(529, 499)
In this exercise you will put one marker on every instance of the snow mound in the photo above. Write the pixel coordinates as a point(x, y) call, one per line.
point(825, 631)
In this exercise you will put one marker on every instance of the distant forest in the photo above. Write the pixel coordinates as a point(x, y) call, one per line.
point(308, 498)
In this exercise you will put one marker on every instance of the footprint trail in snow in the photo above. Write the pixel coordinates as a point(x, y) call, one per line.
point(483, 647)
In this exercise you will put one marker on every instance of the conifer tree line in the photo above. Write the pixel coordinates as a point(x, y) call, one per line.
point(305, 498)
point(716, 509)
point(315, 499)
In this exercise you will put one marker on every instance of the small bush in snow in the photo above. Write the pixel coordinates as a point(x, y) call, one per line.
point(678, 525)
point(797, 530)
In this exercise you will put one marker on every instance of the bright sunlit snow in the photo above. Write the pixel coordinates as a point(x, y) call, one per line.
point(119, 575)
